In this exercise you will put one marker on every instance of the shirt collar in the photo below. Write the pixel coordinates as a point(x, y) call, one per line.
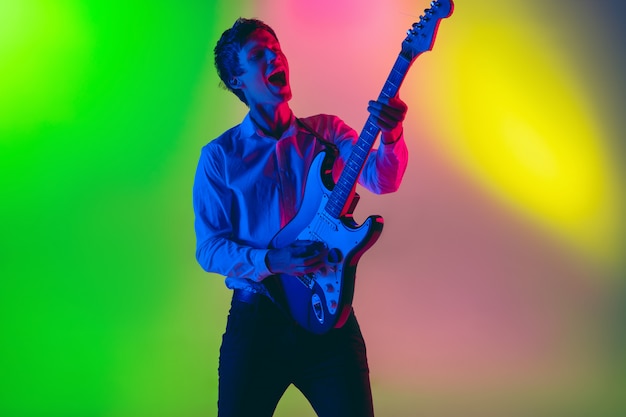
point(249, 128)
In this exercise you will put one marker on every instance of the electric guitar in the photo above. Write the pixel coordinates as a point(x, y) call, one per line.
point(323, 300)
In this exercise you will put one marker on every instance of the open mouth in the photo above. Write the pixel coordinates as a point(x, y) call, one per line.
point(278, 78)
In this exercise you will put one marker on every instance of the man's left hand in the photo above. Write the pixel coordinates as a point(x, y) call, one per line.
point(388, 114)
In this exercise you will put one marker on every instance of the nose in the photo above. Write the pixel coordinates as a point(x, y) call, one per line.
point(271, 55)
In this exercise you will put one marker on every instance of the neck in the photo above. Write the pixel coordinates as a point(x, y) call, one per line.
point(272, 120)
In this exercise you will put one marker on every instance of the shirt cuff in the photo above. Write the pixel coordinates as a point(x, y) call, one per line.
point(259, 256)
point(392, 143)
point(396, 140)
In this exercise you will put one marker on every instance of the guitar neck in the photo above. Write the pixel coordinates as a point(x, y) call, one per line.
point(342, 192)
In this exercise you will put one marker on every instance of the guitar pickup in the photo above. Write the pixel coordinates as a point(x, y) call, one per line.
point(307, 280)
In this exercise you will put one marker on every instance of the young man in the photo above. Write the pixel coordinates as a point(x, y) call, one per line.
point(248, 185)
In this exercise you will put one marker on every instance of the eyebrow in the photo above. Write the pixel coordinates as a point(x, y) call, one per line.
point(254, 46)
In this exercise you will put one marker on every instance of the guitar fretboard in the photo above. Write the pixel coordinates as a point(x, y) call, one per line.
point(342, 191)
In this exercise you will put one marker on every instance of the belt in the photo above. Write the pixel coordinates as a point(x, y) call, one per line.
point(256, 299)
point(246, 296)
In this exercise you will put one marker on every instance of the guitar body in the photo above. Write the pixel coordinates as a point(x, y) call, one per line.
point(323, 300)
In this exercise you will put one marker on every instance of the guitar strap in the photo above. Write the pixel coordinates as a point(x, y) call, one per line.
point(327, 144)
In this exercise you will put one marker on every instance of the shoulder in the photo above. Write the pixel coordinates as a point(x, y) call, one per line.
point(322, 120)
point(213, 155)
point(226, 139)
point(328, 125)
point(221, 145)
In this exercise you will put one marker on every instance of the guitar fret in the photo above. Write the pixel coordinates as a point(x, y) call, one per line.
point(390, 89)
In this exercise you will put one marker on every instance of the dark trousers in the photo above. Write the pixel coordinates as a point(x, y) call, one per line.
point(263, 352)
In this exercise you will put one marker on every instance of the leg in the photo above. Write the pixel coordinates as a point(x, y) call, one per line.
point(251, 377)
point(335, 379)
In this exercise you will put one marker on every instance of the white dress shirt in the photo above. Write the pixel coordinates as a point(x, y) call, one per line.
point(249, 185)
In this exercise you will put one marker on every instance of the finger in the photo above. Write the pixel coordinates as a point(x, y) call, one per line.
point(305, 249)
point(380, 123)
point(386, 123)
point(311, 267)
point(393, 103)
point(396, 111)
point(390, 117)
point(397, 103)
point(314, 260)
point(386, 112)
point(301, 243)
point(315, 256)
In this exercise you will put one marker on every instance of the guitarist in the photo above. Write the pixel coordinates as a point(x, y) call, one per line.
point(248, 185)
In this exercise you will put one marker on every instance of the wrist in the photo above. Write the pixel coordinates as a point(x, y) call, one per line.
point(391, 137)
point(267, 261)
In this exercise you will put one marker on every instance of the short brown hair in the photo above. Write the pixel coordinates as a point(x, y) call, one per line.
point(227, 50)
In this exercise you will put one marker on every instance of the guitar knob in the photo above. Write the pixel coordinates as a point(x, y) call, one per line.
point(330, 288)
point(333, 304)
point(334, 256)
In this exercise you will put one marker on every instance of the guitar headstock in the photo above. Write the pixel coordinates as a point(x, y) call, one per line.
point(421, 36)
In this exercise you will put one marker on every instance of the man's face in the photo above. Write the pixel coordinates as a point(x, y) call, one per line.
point(265, 78)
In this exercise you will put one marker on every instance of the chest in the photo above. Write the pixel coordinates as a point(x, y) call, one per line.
point(254, 162)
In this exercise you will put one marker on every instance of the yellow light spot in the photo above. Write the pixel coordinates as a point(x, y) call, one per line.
point(518, 120)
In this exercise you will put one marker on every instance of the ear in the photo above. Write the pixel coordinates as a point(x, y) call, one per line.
point(234, 82)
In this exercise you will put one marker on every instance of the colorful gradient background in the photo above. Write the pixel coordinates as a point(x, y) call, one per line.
point(497, 288)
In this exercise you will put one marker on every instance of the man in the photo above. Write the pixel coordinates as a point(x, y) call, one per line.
point(248, 185)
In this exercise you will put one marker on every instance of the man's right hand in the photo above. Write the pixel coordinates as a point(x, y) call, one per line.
point(299, 258)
